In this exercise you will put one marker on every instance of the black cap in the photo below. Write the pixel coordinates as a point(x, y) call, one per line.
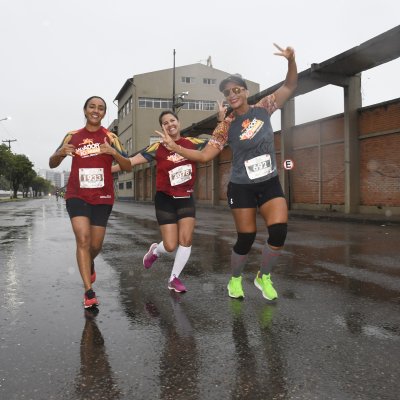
point(232, 78)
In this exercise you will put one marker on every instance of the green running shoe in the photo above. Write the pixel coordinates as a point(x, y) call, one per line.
point(235, 289)
point(265, 285)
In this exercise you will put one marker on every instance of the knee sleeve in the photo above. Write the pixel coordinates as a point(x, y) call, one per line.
point(244, 243)
point(277, 234)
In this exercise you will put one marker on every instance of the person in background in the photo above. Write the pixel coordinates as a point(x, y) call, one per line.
point(174, 201)
point(254, 181)
point(90, 191)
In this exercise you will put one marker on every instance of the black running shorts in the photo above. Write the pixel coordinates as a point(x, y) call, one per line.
point(170, 209)
point(253, 195)
point(98, 214)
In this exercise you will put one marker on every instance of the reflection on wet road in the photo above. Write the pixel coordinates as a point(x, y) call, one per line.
point(334, 333)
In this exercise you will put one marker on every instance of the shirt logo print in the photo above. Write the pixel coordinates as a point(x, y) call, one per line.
point(88, 148)
point(175, 158)
point(250, 129)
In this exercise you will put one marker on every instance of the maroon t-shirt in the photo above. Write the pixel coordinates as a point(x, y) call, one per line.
point(175, 174)
point(91, 178)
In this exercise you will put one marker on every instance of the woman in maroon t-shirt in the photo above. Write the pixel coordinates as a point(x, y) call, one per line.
point(174, 202)
point(90, 192)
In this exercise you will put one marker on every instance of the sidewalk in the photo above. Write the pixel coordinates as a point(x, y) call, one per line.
point(339, 216)
point(293, 214)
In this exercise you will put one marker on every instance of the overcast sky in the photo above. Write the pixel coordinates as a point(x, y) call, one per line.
point(55, 54)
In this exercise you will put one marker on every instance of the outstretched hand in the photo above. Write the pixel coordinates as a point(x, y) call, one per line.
point(288, 53)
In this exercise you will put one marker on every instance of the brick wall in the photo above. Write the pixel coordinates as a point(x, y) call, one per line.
point(318, 152)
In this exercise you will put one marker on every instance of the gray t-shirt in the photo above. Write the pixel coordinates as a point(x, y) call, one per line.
point(251, 139)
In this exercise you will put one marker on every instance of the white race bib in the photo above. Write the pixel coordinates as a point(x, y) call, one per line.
point(180, 174)
point(258, 167)
point(90, 178)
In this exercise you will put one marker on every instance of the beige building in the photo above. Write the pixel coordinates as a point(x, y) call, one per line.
point(143, 97)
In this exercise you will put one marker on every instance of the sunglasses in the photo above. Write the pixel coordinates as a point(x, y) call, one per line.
point(235, 90)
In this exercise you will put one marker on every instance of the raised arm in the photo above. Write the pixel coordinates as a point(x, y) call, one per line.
point(289, 86)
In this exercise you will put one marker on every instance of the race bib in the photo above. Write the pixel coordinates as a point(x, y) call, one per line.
point(180, 174)
point(90, 178)
point(258, 167)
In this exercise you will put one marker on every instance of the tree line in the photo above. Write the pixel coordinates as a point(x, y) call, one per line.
point(17, 174)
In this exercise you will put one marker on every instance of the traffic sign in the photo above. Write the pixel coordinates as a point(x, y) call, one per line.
point(288, 164)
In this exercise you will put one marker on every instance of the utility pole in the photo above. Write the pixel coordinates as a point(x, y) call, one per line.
point(9, 142)
point(173, 85)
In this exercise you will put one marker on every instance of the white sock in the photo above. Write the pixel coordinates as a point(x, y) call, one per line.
point(160, 249)
point(181, 258)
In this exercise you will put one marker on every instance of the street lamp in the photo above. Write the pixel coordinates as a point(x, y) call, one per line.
point(177, 99)
point(5, 118)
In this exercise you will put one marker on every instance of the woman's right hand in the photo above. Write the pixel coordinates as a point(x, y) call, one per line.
point(66, 150)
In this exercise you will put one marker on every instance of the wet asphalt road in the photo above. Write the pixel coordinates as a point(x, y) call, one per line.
point(334, 333)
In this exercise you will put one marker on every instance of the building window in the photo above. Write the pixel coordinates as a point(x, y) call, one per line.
point(128, 145)
point(125, 109)
point(209, 105)
point(121, 186)
point(187, 79)
point(162, 104)
point(200, 105)
point(129, 185)
point(209, 81)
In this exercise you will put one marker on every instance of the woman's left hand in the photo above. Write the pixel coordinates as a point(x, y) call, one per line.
point(222, 109)
point(105, 148)
point(166, 140)
point(288, 53)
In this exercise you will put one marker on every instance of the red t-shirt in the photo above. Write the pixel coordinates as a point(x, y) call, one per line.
point(91, 178)
point(175, 174)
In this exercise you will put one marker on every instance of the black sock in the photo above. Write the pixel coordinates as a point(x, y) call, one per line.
point(90, 294)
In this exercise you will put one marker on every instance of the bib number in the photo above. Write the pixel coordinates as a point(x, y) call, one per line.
point(91, 178)
point(180, 174)
point(258, 167)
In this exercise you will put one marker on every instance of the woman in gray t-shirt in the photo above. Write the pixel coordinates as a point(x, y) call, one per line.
point(254, 181)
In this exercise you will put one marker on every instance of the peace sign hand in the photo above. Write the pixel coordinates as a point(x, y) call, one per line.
point(288, 53)
point(166, 140)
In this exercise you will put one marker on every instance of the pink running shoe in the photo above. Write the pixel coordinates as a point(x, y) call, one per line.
point(176, 285)
point(90, 299)
point(149, 257)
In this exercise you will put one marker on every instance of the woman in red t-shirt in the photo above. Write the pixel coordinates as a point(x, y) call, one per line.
point(90, 192)
point(174, 202)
